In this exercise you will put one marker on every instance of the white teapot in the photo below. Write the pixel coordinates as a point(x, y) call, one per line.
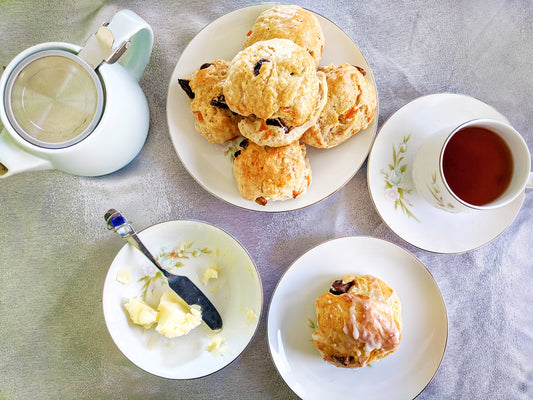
point(77, 110)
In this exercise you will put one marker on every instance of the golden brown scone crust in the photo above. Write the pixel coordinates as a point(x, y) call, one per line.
point(289, 22)
point(275, 133)
point(360, 326)
point(350, 107)
point(274, 78)
point(272, 173)
point(216, 123)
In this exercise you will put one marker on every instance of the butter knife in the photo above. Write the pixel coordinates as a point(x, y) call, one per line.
point(182, 285)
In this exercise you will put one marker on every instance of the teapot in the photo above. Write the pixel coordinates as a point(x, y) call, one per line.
point(77, 109)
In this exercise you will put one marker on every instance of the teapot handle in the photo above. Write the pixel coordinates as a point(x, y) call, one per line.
point(14, 160)
point(126, 25)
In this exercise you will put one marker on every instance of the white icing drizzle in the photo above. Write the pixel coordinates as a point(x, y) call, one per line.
point(375, 325)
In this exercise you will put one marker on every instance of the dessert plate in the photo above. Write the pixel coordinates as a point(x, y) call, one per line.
point(392, 189)
point(236, 292)
point(211, 165)
point(292, 320)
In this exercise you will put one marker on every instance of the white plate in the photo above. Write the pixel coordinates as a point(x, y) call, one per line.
point(236, 291)
point(209, 165)
point(404, 210)
point(401, 375)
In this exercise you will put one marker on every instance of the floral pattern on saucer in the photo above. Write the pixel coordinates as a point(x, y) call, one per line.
point(232, 147)
point(397, 189)
point(391, 185)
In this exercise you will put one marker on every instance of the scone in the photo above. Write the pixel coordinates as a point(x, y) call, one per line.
point(212, 117)
point(359, 321)
point(272, 79)
point(350, 107)
point(274, 132)
point(271, 173)
point(289, 22)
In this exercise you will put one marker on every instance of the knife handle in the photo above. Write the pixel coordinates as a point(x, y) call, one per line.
point(117, 222)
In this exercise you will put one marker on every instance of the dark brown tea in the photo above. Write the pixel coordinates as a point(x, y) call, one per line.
point(477, 165)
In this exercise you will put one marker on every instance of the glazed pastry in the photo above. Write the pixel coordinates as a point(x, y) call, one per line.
point(359, 321)
point(274, 132)
point(289, 22)
point(212, 117)
point(350, 107)
point(271, 173)
point(273, 79)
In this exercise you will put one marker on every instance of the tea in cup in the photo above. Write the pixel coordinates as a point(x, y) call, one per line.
point(482, 164)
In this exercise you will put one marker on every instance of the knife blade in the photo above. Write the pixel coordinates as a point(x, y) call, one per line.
point(182, 285)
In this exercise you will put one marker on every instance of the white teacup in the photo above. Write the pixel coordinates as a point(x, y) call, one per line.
point(446, 169)
point(115, 129)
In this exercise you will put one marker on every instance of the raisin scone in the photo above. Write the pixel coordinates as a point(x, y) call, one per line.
point(359, 321)
point(266, 174)
point(212, 117)
point(289, 22)
point(350, 107)
point(272, 79)
point(275, 132)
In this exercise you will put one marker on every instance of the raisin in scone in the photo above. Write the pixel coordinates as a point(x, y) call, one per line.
point(275, 132)
point(289, 22)
point(212, 117)
point(272, 79)
point(359, 321)
point(271, 173)
point(349, 109)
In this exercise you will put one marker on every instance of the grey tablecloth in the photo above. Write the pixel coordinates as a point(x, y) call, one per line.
point(55, 251)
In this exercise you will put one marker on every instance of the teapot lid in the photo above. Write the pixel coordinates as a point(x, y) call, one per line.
point(53, 99)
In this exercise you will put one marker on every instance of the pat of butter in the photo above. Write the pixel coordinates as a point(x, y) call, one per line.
point(210, 273)
point(140, 312)
point(217, 345)
point(176, 318)
point(124, 276)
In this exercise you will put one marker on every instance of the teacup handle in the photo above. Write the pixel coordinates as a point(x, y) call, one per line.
point(529, 184)
point(126, 25)
point(14, 160)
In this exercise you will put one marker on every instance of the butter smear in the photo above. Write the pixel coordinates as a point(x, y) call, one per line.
point(217, 345)
point(210, 273)
point(124, 276)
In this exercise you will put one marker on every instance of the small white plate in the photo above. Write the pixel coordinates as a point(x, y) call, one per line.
point(401, 375)
point(210, 165)
point(236, 293)
point(392, 189)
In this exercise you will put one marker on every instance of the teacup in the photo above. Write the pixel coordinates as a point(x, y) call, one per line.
point(77, 109)
point(482, 164)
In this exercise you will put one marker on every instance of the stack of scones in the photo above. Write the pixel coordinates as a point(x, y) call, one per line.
point(275, 95)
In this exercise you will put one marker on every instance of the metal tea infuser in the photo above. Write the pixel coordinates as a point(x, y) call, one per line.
point(64, 106)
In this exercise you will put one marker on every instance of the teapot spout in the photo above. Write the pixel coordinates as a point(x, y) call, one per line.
point(14, 160)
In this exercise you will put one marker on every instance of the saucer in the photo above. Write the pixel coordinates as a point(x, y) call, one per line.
point(392, 189)
point(292, 320)
point(211, 165)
